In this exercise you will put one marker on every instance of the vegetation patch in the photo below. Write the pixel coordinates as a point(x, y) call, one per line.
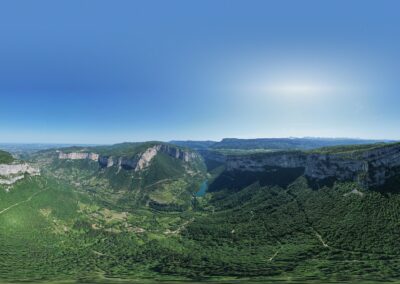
point(5, 157)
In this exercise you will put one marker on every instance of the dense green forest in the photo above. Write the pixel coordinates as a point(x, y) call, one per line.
point(80, 222)
point(5, 157)
point(291, 232)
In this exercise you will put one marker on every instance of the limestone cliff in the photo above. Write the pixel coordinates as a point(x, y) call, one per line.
point(78, 156)
point(146, 157)
point(369, 168)
point(10, 173)
point(139, 162)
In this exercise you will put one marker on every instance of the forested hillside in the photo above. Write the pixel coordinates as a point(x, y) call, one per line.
point(5, 157)
point(79, 221)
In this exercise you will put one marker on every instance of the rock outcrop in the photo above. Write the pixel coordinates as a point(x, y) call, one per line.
point(138, 162)
point(369, 168)
point(9, 174)
point(146, 157)
point(78, 156)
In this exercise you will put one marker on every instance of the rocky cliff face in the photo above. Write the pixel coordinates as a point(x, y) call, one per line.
point(9, 174)
point(78, 156)
point(137, 163)
point(105, 161)
point(146, 157)
point(370, 168)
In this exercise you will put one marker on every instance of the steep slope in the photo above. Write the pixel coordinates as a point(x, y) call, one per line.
point(341, 232)
point(271, 220)
point(155, 174)
point(215, 154)
point(371, 166)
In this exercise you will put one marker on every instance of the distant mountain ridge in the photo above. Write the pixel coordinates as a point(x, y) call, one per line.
point(306, 143)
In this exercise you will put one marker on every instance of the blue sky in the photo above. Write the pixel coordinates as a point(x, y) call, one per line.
point(112, 71)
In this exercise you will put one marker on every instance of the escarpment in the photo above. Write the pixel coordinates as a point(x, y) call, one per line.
point(78, 156)
point(11, 173)
point(138, 162)
point(370, 168)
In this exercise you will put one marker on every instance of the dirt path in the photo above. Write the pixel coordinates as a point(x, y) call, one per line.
point(180, 228)
point(21, 202)
point(158, 182)
point(319, 237)
point(272, 257)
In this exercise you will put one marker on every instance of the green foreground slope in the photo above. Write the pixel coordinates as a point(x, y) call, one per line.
point(73, 223)
point(56, 232)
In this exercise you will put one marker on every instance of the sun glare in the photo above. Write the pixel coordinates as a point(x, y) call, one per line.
point(297, 89)
point(291, 90)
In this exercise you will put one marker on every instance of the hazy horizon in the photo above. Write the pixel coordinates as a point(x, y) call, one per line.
point(213, 140)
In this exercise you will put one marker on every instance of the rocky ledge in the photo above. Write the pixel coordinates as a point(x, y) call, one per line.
point(370, 168)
